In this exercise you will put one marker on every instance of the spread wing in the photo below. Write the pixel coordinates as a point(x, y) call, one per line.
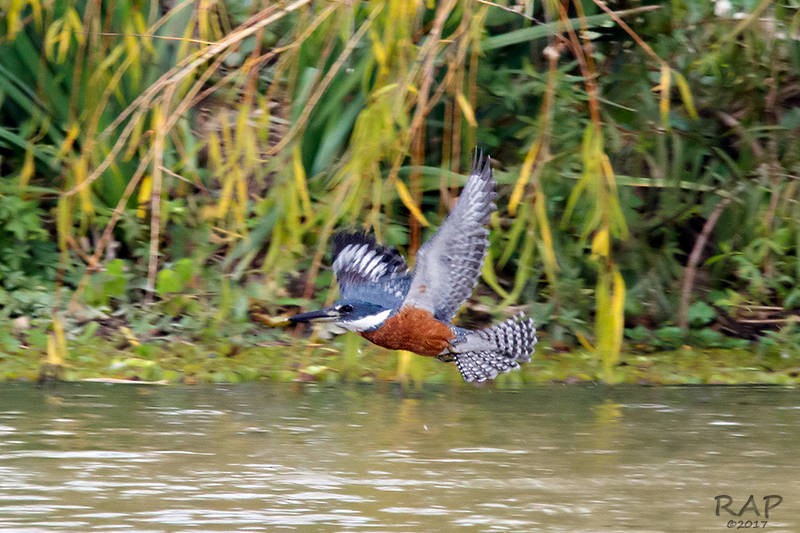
point(448, 265)
point(369, 272)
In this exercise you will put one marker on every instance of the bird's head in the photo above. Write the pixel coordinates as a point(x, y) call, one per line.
point(353, 315)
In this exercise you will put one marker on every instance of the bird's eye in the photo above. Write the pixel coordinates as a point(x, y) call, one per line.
point(346, 308)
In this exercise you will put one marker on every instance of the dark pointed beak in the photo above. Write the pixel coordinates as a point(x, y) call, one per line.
point(322, 315)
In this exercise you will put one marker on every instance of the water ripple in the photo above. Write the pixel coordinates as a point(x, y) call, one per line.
point(262, 459)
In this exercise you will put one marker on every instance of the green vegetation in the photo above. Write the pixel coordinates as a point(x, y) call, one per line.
point(171, 173)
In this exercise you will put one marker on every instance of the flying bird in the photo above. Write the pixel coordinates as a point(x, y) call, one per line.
point(391, 306)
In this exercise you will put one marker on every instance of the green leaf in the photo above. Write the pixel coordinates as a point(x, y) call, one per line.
point(168, 281)
point(185, 268)
point(115, 285)
point(700, 314)
point(542, 31)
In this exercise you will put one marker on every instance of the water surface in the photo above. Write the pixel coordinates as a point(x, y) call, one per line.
point(89, 457)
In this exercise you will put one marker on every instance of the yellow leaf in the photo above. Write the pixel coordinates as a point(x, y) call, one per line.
point(51, 38)
point(226, 194)
point(378, 50)
point(591, 144)
point(26, 172)
point(133, 142)
point(36, 8)
point(75, 25)
point(546, 245)
point(271, 321)
point(591, 153)
point(240, 210)
point(617, 310)
point(300, 180)
point(13, 10)
point(524, 177)
point(601, 245)
point(129, 336)
point(81, 171)
point(208, 212)
point(619, 227)
point(522, 274)
point(686, 94)
point(72, 27)
point(603, 324)
point(488, 274)
point(63, 45)
point(69, 139)
point(133, 56)
point(203, 27)
point(584, 341)
point(56, 345)
point(52, 352)
point(404, 359)
point(140, 25)
point(383, 90)
point(610, 318)
point(466, 108)
point(513, 234)
point(608, 170)
point(405, 197)
point(664, 87)
point(214, 152)
point(243, 121)
point(145, 189)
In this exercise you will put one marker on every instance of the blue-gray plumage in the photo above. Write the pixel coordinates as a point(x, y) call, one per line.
point(448, 264)
point(381, 300)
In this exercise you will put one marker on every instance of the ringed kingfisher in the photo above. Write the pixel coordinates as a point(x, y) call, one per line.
point(387, 304)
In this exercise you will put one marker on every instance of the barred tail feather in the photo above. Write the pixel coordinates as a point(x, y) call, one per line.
point(501, 348)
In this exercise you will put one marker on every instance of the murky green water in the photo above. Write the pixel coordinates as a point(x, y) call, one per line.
point(270, 457)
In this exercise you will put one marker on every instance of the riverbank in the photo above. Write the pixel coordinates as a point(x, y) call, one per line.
point(350, 359)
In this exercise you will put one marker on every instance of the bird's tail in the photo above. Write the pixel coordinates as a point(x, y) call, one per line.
point(500, 348)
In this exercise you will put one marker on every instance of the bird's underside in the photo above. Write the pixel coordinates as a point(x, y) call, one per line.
point(414, 330)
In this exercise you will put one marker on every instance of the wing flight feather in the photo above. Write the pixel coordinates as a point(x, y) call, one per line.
point(448, 265)
point(367, 271)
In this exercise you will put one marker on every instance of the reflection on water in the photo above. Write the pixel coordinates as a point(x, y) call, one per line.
point(256, 457)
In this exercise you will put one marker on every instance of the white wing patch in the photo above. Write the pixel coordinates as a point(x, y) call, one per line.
point(363, 260)
point(366, 323)
point(365, 270)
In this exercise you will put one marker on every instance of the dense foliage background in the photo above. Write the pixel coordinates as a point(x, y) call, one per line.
point(174, 170)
